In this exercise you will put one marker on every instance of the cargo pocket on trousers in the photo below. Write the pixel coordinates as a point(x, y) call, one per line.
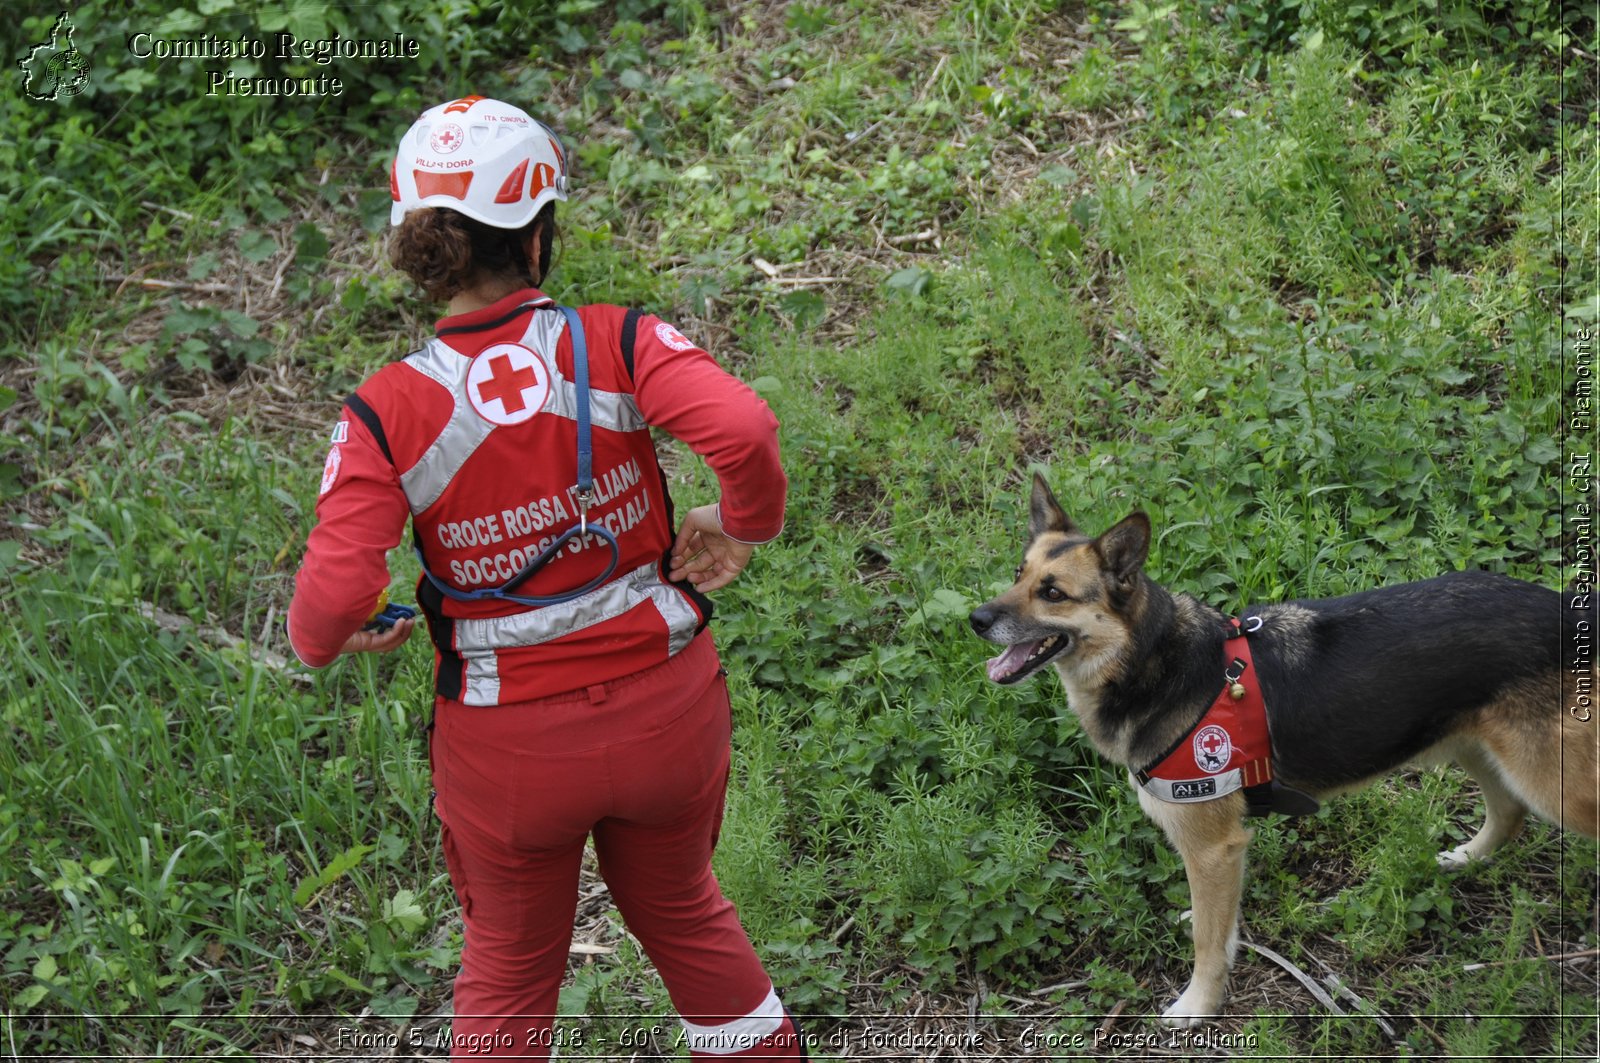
point(433, 770)
point(458, 873)
point(726, 711)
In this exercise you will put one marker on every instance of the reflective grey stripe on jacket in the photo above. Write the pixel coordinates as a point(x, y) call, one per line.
point(425, 481)
point(477, 641)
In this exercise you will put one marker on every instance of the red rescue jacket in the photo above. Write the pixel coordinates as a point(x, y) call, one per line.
point(474, 438)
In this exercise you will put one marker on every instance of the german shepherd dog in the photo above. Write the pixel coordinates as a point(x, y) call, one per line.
point(1468, 666)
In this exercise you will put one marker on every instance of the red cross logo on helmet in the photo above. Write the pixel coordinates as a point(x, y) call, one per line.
point(446, 138)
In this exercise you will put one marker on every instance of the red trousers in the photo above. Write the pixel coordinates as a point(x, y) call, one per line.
point(641, 764)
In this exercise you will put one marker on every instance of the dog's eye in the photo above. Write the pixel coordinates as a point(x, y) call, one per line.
point(1016, 577)
point(1052, 594)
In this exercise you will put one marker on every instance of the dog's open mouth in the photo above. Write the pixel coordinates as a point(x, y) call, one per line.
point(1024, 658)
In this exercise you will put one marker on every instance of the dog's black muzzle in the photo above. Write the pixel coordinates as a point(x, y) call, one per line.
point(983, 618)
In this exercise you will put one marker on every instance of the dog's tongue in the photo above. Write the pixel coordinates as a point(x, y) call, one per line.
point(1011, 661)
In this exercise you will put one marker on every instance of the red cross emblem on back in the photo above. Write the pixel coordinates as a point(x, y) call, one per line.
point(507, 384)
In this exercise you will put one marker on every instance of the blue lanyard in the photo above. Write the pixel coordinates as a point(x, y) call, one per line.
point(583, 491)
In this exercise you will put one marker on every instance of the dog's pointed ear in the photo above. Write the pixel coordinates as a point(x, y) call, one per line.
point(1124, 547)
point(1045, 513)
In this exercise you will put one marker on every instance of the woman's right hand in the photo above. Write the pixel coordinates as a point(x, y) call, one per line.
point(379, 641)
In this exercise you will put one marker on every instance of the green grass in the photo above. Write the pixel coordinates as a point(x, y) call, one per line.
point(1299, 303)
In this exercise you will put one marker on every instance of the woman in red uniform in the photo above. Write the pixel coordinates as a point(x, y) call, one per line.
point(578, 693)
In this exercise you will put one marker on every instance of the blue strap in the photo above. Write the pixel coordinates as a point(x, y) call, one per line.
point(580, 373)
point(584, 490)
point(545, 557)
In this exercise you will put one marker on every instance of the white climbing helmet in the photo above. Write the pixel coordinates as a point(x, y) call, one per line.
point(484, 158)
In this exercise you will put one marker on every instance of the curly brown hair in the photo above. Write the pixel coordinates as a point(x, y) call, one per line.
point(445, 251)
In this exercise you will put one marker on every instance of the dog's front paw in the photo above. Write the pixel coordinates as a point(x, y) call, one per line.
point(1190, 1010)
point(1459, 857)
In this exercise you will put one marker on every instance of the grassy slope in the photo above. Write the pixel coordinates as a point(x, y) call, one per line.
point(1304, 318)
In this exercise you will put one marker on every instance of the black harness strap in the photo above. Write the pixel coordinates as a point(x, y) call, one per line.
point(630, 332)
point(451, 678)
point(369, 417)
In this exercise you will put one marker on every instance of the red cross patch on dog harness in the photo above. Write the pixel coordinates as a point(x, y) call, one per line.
point(1227, 749)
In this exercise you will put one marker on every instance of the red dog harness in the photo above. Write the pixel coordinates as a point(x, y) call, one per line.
point(1228, 748)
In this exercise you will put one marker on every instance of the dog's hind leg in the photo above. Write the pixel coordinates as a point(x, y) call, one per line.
point(1212, 840)
point(1504, 812)
point(1550, 761)
point(1567, 791)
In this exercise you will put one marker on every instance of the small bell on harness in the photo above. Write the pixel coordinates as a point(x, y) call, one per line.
point(1231, 675)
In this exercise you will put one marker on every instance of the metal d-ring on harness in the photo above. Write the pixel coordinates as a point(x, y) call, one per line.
point(583, 491)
